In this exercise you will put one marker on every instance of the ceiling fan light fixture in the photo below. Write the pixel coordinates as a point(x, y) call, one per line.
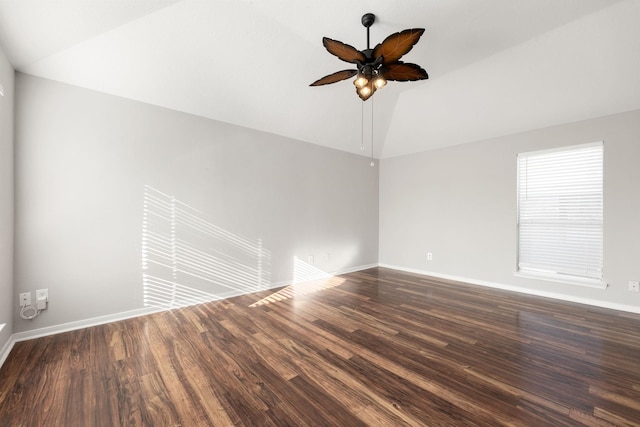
point(366, 91)
point(361, 81)
point(379, 81)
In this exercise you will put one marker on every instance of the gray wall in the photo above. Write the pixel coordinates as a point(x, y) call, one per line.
point(460, 204)
point(249, 202)
point(93, 170)
point(7, 299)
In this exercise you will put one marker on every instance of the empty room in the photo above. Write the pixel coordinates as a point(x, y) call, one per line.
point(294, 213)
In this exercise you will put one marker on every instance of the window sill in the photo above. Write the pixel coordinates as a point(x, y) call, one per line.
point(569, 280)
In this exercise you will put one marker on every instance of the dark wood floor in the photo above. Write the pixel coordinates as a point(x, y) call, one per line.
point(377, 347)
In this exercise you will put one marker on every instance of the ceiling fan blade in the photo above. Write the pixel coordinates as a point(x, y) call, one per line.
point(397, 44)
point(343, 51)
point(335, 77)
point(404, 72)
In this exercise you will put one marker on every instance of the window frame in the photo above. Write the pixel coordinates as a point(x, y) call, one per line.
point(594, 282)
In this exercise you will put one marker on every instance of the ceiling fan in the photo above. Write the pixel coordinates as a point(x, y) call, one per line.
point(378, 65)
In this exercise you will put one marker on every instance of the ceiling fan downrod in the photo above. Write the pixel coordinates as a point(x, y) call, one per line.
point(369, 69)
point(367, 20)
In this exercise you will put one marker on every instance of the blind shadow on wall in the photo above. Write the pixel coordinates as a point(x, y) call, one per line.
point(187, 260)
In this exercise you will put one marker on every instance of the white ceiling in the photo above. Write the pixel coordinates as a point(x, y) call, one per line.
point(496, 66)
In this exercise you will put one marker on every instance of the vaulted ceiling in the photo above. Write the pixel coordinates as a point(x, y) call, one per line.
point(496, 66)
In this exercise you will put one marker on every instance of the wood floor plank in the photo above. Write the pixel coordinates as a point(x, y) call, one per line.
point(376, 347)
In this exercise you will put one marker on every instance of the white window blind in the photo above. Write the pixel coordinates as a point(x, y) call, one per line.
point(560, 213)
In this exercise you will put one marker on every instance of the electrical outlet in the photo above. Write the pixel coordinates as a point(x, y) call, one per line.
point(429, 256)
point(25, 299)
point(634, 286)
point(42, 294)
point(42, 297)
point(310, 260)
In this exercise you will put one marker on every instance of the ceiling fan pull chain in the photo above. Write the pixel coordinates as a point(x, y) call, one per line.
point(372, 162)
point(362, 126)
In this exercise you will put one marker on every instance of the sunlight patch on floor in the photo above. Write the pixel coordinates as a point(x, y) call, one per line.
point(306, 279)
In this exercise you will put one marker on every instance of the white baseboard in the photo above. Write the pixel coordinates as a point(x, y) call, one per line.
point(80, 324)
point(353, 270)
point(528, 291)
point(101, 320)
point(6, 349)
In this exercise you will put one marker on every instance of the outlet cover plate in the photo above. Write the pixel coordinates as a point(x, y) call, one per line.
point(25, 299)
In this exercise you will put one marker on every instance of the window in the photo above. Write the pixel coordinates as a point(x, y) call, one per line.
point(560, 214)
